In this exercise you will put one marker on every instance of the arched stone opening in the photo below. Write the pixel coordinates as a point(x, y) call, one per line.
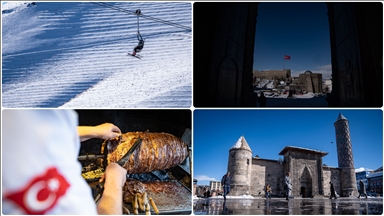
point(222, 29)
point(306, 183)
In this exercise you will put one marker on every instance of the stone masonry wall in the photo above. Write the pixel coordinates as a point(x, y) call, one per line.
point(299, 167)
point(267, 172)
point(305, 173)
point(331, 174)
point(348, 180)
point(239, 165)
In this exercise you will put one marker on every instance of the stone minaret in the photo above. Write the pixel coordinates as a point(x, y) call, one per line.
point(345, 157)
point(239, 165)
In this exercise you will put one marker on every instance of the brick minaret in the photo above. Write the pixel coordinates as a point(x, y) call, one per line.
point(345, 157)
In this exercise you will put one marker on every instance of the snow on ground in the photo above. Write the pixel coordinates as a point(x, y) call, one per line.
point(275, 98)
point(9, 7)
point(301, 96)
point(270, 85)
point(74, 55)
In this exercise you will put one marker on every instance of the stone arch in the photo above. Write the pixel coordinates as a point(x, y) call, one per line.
point(306, 183)
point(227, 82)
point(352, 78)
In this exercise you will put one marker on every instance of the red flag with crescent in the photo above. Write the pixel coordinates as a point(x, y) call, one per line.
point(41, 193)
point(287, 57)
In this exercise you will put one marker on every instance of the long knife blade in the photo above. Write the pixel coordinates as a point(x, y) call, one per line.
point(89, 157)
point(125, 158)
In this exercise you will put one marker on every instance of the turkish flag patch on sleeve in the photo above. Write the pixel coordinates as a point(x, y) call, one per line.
point(41, 193)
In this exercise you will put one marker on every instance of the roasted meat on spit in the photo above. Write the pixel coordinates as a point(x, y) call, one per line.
point(158, 151)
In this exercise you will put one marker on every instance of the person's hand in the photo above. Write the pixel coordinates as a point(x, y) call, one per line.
point(107, 131)
point(103, 131)
point(114, 172)
point(110, 202)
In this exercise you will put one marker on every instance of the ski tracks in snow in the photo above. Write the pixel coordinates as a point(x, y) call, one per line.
point(77, 57)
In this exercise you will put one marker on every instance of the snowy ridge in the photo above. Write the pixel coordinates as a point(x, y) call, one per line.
point(74, 54)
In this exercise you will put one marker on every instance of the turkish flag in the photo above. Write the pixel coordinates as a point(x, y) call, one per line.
point(41, 193)
point(287, 57)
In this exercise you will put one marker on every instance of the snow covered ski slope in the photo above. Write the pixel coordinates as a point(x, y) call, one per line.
point(74, 55)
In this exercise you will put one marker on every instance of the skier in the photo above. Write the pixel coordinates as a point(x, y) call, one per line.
point(139, 46)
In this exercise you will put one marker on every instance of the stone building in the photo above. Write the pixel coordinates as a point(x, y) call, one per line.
point(283, 75)
point(194, 186)
point(224, 41)
point(200, 190)
point(305, 166)
point(310, 178)
point(309, 82)
point(215, 186)
point(375, 183)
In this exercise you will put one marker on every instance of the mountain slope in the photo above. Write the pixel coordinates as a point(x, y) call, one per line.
point(74, 54)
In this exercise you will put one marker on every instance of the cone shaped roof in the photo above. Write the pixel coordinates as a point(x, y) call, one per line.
point(341, 117)
point(241, 144)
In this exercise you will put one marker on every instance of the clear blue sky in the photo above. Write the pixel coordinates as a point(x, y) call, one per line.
point(269, 131)
point(297, 29)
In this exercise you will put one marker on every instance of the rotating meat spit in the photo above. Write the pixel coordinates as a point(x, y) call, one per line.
point(175, 195)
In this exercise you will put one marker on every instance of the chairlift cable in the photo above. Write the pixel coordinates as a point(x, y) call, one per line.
point(103, 4)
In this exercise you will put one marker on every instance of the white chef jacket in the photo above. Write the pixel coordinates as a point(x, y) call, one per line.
point(40, 170)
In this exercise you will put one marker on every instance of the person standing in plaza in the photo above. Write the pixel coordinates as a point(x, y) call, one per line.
point(268, 191)
point(362, 189)
point(333, 193)
point(262, 100)
point(288, 184)
point(226, 183)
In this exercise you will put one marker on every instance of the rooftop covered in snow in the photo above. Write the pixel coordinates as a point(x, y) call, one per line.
point(241, 144)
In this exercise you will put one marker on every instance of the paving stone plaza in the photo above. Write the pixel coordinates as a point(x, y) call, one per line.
point(297, 206)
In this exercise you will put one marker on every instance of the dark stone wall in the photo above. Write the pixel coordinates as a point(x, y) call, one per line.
point(356, 36)
point(224, 35)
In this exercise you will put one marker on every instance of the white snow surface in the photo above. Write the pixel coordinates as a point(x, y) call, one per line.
point(237, 144)
point(74, 55)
